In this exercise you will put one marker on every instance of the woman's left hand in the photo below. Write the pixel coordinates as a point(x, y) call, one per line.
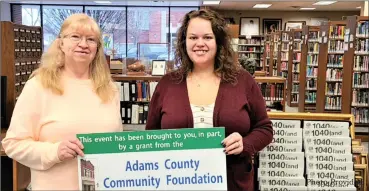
point(233, 144)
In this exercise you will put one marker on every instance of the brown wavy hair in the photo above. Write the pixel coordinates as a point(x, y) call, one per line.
point(224, 66)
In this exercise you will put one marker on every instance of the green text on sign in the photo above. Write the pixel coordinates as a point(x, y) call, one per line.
point(155, 140)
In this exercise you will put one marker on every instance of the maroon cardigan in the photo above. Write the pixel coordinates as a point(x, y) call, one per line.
point(239, 108)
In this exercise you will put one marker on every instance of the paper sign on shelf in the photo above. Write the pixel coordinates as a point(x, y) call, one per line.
point(181, 159)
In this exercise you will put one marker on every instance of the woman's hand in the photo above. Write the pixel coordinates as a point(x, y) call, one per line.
point(69, 149)
point(233, 144)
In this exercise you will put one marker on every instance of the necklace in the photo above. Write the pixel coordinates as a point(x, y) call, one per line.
point(196, 81)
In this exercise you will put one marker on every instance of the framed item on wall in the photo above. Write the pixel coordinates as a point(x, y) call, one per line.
point(158, 67)
point(249, 25)
point(271, 25)
point(294, 25)
point(317, 21)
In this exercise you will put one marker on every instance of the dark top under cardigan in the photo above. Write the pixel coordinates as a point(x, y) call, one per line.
point(239, 108)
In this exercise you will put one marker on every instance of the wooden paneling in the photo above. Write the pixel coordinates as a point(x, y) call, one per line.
point(7, 66)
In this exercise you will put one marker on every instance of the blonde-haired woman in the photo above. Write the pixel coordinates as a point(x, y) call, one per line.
point(71, 93)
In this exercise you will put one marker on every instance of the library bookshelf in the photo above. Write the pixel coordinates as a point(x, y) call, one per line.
point(294, 60)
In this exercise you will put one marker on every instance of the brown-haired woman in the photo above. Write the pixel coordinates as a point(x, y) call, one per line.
point(211, 90)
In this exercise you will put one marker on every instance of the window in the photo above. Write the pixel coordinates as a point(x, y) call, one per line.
point(29, 15)
point(53, 18)
point(112, 21)
point(147, 32)
point(176, 15)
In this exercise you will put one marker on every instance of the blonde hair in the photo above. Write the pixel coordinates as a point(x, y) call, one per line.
point(52, 61)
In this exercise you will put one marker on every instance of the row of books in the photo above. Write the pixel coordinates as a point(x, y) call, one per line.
point(311, 84)
point(136, 90)
point(311, 71)
point(284, 56)
point(362, 45)
point(313, 47)
point(248, 55)
point(362, 29)
point(249, 41)
point(313, 35)
point(335, 46)
point(333, 103)
point(297, 46)
point(272, 92)
point(248, 48)
point(335, 60)
point(294, 98)
point(297, 56)
point(295, 78)
point(361, 63)
point(134, 113)
point(285, 47)
point(360, 80)
point(310, 97)
point(361, 115)
point(295, 88)
point(334, 74)
point(333, 89)
point(296, 67)
point(284, 66)
point(312, 59)
point(285, 37)
point(337, 32)
point(360, 98)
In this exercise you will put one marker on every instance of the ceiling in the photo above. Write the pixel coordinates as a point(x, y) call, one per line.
point(290, 5)
point(224, 5)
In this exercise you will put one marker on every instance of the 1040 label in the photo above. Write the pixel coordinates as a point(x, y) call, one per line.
point(279, 164)
point(312, 157)
point(275, 147)
point(328, 150)
point(299, 156)
point(279, 173)
point(325, 125)
point(344, 166)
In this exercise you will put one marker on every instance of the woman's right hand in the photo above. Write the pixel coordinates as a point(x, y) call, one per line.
point(69, 149)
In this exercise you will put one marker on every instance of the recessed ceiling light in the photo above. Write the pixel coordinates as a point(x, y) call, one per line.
point(103, 2)
point(307, 8)
point(30, 2)
point(358, 7)
point(262, 6)
point(210, 2)
point(324, 2)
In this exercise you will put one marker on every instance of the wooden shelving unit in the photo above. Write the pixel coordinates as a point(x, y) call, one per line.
point(252, 47)
point(21, 51)
point(359, 98)
point(275, 58)
point(309, 68)
point(285, 52)
point(330, 69)
point(273, 90)
point(124, 77)
point(268, 46)
point(294, 60)
point(260, 73)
